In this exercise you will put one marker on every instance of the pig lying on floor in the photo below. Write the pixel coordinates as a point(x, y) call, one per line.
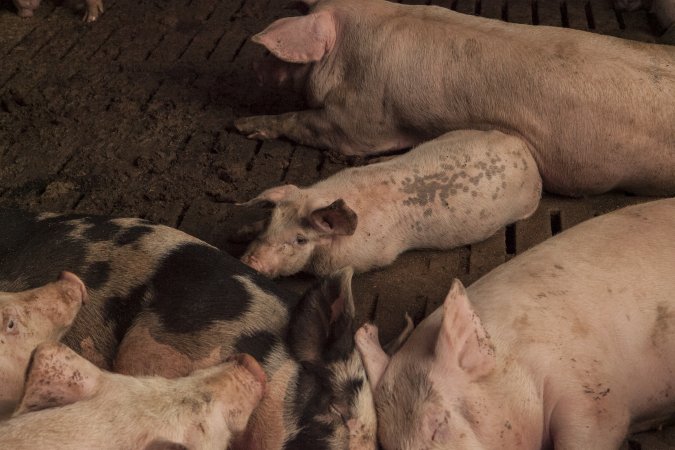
point(569, 346)
point(165, 303)
point(596, 112)
point(69, 403)
point(27, 319)
point(452, 191)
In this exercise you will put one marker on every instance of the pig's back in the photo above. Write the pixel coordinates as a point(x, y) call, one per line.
point(595, 303)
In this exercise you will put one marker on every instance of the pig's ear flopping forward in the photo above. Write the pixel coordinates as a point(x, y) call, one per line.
point(462, 341)
point(336, 218)
point(273, 195)
point(301, 39)
point(57, 376)
point(321, 328)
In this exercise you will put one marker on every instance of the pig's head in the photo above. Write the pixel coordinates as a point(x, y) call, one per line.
point(436, 391)
point(202, 410)
point(325, 397)
point(295, 44)
point(300, 232)
point(28, 318)
point(26, 8)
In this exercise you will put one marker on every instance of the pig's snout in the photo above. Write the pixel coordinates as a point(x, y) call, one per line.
point(74, 289)
point(255, 264)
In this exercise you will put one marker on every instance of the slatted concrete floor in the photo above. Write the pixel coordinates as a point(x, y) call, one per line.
point(128, 117)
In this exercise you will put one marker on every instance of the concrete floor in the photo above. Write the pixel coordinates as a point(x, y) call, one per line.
point(127, 117)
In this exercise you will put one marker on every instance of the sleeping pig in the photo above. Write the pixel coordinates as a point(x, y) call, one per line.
point(452, 191)
point(596, 112)
point(28, 318)
point(569, 345)
point(165, 303)
point(69, 403)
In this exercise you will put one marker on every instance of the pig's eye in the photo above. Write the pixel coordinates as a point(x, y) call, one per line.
point(300, 239)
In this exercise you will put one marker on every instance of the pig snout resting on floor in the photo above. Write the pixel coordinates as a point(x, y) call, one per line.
point(596, 111)
point(162, 302)
point(570, 345)
point(27, 319)
point(452, 191)
point(93, 8)
point(69, 403)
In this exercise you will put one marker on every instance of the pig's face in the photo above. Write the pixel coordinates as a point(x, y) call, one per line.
point(335, 400)
point(29, 318)
point(433, 393)
point(328, 403)
point(300, 230)
point(202, 410)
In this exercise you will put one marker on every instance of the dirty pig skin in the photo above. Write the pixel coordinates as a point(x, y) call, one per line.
point(596, 112)
point(162, 302)
point(70, 404)
point(454, 190)
point(570, 345)
point(93, 8)
point(27, 319)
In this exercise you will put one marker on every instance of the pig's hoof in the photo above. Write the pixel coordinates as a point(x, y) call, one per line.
point(93, 12)
point(254, 128)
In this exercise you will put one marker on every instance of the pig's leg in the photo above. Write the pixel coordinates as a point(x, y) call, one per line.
point(93, 10)
point(309, 127)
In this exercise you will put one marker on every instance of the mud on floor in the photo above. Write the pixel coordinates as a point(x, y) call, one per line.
point(128, 117)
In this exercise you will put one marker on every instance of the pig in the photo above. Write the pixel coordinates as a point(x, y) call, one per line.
point(69, 403)
point(569, 345)
point(454, 190)
point(28, 318)
point(595, 111)
point(93, 8)
point(164, 303)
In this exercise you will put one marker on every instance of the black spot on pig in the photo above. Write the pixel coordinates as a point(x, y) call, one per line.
point(30, 257)
point(194, 287)
point(258, 345)
point(120, 312)
point(102, 231)
point(133, 234)
point(312, 399)
point(96, 275)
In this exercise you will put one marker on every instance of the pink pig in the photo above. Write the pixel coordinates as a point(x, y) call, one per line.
point(69, 403)
point(93, 8)
point(28, 318)
point(451, 191)
point(596, 112)
point(570, 345)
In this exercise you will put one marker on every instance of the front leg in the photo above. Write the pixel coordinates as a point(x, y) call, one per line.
point(310, 127)
point(598, 424)
point(93, 10)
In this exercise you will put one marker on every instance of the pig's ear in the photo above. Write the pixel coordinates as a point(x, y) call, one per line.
point(321, 327)
point(462, 341)
point(336, 218)
point(57, 376)
point(301, 39)
point(273, 195)
point(374, 358)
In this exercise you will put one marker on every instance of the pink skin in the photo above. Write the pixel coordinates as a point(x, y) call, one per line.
point(384, 76)
point(29, 318)
point(26, 8)
point(66, 396)
point(569, 345)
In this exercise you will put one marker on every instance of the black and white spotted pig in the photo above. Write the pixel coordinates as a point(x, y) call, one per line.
point(165, 303)
point(454, 190)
